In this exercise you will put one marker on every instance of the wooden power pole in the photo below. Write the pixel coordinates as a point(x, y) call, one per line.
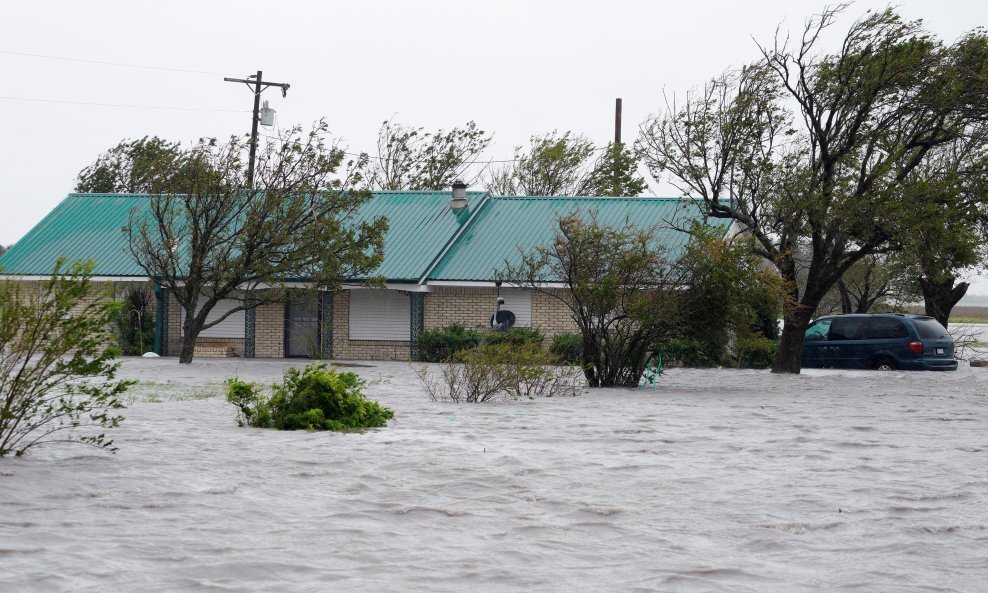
point(257, 86)
point(617, 121)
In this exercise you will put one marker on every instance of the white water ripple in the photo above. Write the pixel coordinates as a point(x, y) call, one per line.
point(717, 481)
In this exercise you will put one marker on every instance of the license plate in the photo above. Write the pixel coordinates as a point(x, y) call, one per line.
point(939, 350)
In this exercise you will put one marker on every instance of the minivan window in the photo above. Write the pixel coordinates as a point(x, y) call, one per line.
point(849, 328)
point(886, 328)
point(818, 331)
point(930, 329)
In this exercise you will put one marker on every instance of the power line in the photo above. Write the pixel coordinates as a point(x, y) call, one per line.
point(104, 63)
point(92, 104)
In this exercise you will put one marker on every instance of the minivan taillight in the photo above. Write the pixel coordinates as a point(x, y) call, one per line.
point(916, 346)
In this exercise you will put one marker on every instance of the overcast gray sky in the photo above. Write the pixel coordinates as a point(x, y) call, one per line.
point(516, 68)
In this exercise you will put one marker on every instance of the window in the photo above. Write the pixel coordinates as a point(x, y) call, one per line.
point(818, 331)
point(886, 328)
point(930, 329)
point(849, 328)
point(519, 302)
point(231, 327)
point(380, 315)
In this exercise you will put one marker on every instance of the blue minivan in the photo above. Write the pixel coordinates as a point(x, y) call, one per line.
point(883, 341)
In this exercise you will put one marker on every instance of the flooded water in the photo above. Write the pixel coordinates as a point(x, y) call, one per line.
point(718, 480)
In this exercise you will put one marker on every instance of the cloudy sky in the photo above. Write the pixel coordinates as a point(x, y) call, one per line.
point(516, 68)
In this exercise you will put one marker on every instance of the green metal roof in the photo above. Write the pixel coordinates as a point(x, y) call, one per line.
point(507, 224)
point(420, 225)
point(83, 226)
point(89, 226)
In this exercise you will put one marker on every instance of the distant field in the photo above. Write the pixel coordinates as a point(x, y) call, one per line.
point(962, 314)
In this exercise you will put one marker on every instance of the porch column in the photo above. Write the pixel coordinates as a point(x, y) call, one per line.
point(160, 320)
point(418, 322)
point(326, 324)
point(250, 328)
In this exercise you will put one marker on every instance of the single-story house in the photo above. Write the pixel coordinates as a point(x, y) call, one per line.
point(440, 261)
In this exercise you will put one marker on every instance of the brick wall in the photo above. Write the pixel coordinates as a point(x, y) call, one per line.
point(269, 328)
point(472, 308)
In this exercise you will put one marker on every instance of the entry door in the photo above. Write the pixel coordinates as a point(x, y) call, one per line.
point(302, 328)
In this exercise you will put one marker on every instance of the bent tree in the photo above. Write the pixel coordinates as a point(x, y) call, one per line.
point(213, 237)
point(809, 151)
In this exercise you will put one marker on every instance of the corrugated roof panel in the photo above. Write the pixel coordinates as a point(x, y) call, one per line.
point(82, 226)
point(420, 225)
point(88, 226)
point(509, 225)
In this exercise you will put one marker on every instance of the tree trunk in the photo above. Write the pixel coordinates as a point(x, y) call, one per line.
point(789, 358)
point(191, 333)
point(845, 297)
point(940, 297)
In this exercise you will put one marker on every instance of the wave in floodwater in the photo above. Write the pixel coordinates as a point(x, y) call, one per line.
point(716, 481)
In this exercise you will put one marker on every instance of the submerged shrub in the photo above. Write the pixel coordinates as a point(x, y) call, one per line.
point(567, 347)
point(755, 352)
point(317, 398)
point(686, 352)
point(439, 345)
point(501, 371)
point(516, 336)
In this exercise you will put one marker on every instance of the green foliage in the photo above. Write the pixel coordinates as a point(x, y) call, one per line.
point(755, 352)
point(147, 165)
point(317, 398)
point(516, 336)
point(686, 352)
point(57, 373)
point(615, 173)
point(412, 159)
point(729, 294)
point(567, 347)
point(620, 293)
point(816, 155)
point(500, 371)
point(223, 236)
point(134, 321)
point(439, 345)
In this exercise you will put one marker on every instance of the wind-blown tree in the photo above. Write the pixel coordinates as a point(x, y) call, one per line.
point(413, 159)
point(619, 293)
point(146, 165)
point(875, 282)
point(950, 194)
point(219, 238)
point(57, 369)
point(563, 165)
point(828, 174)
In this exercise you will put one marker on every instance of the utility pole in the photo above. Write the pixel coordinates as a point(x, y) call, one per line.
point(257, 86)
point(617, 121)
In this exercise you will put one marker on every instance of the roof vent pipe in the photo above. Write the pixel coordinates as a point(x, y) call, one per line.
point(459, 194)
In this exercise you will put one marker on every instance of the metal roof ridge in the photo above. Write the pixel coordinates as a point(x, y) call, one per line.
point(618, 198)
point(486, 199)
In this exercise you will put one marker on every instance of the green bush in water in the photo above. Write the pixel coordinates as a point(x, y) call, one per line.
point(440, 345)
point(515, 336)
point(567, 347)
point(756, 352)
point(316, 398)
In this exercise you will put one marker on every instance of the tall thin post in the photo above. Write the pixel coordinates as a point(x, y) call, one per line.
point(617, 121)
point(257, 86)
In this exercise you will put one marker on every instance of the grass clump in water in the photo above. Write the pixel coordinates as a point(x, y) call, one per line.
point(316, 398)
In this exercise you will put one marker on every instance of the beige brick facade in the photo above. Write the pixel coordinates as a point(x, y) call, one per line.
point(470, 307)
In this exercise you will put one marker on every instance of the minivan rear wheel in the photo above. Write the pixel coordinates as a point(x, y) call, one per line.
point(885, 364)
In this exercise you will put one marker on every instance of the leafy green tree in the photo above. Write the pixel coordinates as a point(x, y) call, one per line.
point(564, 165)
point(219, 238)
point(411, 158)
point(146, 165)
point(811, 151)
point(730, 295)
point(57, 374)
point(619, 293)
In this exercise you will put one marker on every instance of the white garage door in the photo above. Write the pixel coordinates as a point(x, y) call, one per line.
point(380, 315)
